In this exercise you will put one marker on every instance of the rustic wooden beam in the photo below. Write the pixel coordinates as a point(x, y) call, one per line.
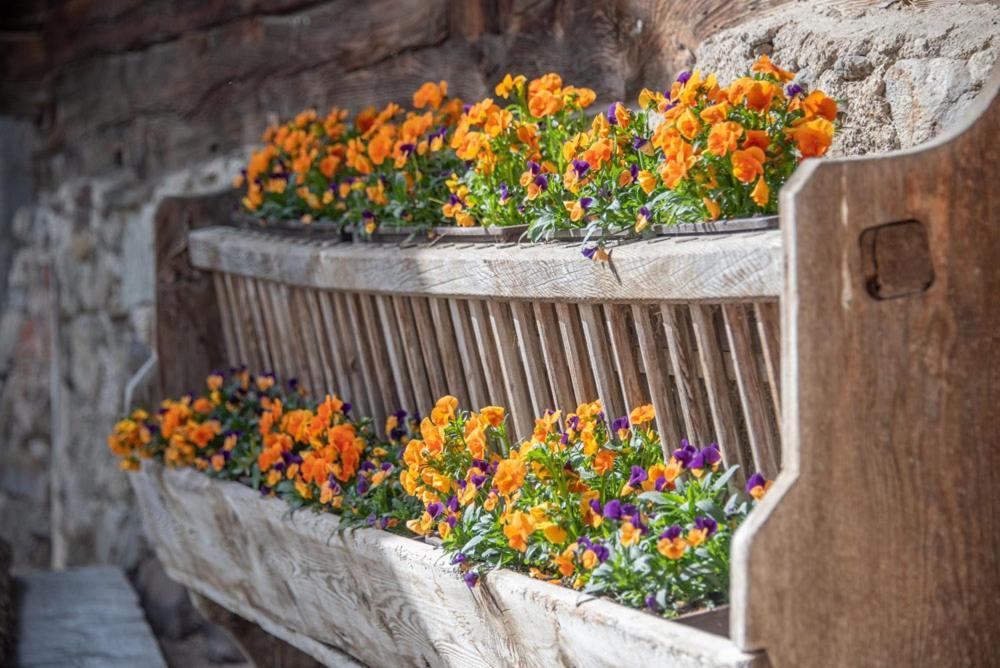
point(705, 268)
point(189, 330)
point(879, 542)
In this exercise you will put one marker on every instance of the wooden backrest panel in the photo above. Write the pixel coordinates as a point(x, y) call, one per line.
point(408, 325)
point(880, 542)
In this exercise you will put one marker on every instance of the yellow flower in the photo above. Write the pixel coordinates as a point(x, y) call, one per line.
point(629, 534)
point(508, 84)
point(696, 537)
point(444, 410)
point(494, 415)
point(589, 559)
point(647, 181)
point(518, 528)
point(688, 124)
point(813, 138)
point(564, 561)
point(672, 549)
point(765, 66)
point(555, 534)
point(604, 461)
point(761, 193)
point(430, 94)
point(748, 163)
point(724, 137)
point(642, 414)
point(714, 210)
point(510, 475)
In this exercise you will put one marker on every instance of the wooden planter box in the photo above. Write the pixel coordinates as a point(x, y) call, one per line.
point(388, 600)
point(877, 544)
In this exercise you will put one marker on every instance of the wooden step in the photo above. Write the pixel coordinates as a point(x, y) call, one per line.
point(81, 617)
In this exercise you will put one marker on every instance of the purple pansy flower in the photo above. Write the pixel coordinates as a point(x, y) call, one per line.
point(504, 193)
point(581, 167)
point(542, 181)
point(471, 578)
point(756, 480)
point(707, 458)
point(671, 533)
point(363, 485)
point(459, 558)
point(612, 119)
point(534, 167)
point(683, 77)
point(707, 523)
point(791, 90)
point(620, 423)
point(435, 509)
point(595, 506)
point(685, 453)
point(453, 503)
point(638, 476)
point(613, 509)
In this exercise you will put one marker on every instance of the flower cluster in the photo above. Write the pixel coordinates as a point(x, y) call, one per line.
point(585, 502)
point(384, 166)
point(698, 151)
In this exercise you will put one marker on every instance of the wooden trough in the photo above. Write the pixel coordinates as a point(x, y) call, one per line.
point(879, 543)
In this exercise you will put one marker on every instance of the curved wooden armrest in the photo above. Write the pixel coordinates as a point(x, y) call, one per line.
point(879, 544)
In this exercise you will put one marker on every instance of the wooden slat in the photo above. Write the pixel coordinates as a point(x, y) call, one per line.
point(253, 339)
point(711, 267)
point(599, 353)
point(632, 387)
point(314, 320)
point(683, 360)
point(532, 358)
point(717, 386)
point(391, 334)
point(270, 319)
point(468, 350)
point(753, 397)
point(429, 347)
point(290, 328)
point(379, 359)
point(577, 356)
point(423, 399)
point(668, 422)
point(554, 357)
point(447, 345)
point(768, 329)
point(307, 353)
point(488, 357)
point(252, 304)
point(227, 314)
point(512, 369)
point(340, 355)
point(365, 360)
point(349, 353)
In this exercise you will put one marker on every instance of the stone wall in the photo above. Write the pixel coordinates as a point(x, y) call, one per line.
point(134, 101)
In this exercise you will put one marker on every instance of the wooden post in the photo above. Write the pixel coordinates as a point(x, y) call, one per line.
point(189, 338)
point(879, 544)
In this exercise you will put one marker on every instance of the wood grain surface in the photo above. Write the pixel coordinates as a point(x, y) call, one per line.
point(388, 600)
point(880, 542)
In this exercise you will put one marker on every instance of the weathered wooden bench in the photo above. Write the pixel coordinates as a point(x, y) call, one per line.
point(879, 543)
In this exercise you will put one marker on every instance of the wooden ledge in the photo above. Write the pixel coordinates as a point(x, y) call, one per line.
point(738, 266)
point(386, 599)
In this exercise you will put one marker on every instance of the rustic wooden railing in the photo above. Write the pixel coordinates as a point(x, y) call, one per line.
point(687, 323)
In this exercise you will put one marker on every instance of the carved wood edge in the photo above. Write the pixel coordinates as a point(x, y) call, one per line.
point(860, 197)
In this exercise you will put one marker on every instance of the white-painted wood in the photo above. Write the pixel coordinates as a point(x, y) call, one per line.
point(707, 268)
point(388, 600)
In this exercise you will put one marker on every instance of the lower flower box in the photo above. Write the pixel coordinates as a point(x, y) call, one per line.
point(389, 600)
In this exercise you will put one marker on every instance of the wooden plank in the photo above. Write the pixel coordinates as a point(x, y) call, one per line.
point(187, 313)
point(243, 318)
point(508, 620)
point(668, 421)
point(468, 350)
point(90, 612)
point(413, 356)
point(314, 316)
point(764, 443)
point(554, 356)
point(488, 357)
point(355, 330)
point(379, 369)
point(335, 339)
point(227, 313)
point(768, 330)
point(683, 361)
point(268, 314)
point(890, 413)
point(599, 354)
point(291, 351)
point(577, 356)
point(717, 387)
point(428, 347)
point(240, 322)
point(398, 370)
point(512, 369)
point(632, 388)
point(532, 358)
point(711, 267)
point(306, 344)
point(449, 356)
point(252, 304)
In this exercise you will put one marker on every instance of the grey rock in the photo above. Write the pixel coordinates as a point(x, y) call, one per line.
point(922, 93)
point(852, 67)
